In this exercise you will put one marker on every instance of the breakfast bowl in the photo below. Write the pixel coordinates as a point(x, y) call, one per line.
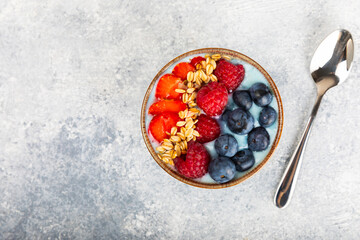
point(212, 118)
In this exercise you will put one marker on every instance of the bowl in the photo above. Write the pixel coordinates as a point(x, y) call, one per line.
point(242, 59)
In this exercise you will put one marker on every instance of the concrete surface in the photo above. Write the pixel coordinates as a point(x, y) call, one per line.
point(73, 164)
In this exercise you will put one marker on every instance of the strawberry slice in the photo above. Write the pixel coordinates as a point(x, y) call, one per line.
point(162, 123)
point(167, 106)
point(166, 86)
point(181, 69)
point(196, 60)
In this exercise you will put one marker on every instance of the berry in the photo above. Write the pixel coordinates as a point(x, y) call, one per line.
point(166, 86)
point(196, 60)
point(229, 74)
point(244, 160)
point(261, 94)
point(162, 123)
point(240, 121)
point(222, 169)
point(208, 128)
point(267, 116)
point(212, 98)
point(258, 139)
point(181, 70)
point(167, 106)
point(225, 115)
point(196, 163)
point(243, 99)
point(226, 145)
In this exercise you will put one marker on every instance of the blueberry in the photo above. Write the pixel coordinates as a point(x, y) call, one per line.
point(225, 115)
point(240, 121)
point(244, 160)
point(267, 116)
point(226, 145)
point(222, 169)
point(258, 139)
point(243, 99)
point(261, 94)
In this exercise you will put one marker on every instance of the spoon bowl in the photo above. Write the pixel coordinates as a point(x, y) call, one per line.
point(332, 60)
point(329, 67)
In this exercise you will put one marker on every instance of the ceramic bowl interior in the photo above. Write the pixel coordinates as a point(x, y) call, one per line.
point(185, 57)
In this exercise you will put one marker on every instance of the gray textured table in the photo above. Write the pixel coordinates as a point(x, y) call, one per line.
point(73, 164)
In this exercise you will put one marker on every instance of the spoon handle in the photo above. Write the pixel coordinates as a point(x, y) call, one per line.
point(288, 181)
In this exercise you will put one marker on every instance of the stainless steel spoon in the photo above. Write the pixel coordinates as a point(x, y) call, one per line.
point(329, 67)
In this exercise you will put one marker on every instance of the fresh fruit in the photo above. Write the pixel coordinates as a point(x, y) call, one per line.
point(225, 115)
point(212, 98)
point(267, 116)
point(162, 123)
point(244, 160)
point(166, 86)
point(208, 128)
point(196, 163)
point(181, 69)
point(229, 74)
point(183, 131)
point(258, 139)
point(260, 94)
point(226, 145)
point(243, 99)
point(196, 60)
point(240, 121)
point(222, 169)
point(167, 106)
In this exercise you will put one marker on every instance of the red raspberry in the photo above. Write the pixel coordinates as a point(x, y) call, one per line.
point(208, 128)
point(196, 163)
point(212, 98)
point(229, 74)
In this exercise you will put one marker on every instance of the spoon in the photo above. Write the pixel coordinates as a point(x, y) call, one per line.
point(329, 67)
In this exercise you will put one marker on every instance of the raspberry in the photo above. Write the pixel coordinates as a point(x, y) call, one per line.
point(196, 163)
point(208, 128)
point(212, 98)
point(229, 74)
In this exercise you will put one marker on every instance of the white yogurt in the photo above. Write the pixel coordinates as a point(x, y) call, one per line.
point(252, 75)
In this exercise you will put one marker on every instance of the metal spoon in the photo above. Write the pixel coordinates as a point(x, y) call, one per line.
point(329, 67)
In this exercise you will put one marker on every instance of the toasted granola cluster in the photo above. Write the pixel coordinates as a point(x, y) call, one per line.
point(185, 131)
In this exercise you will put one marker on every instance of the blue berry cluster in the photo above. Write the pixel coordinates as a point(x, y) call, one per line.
point(240, 121)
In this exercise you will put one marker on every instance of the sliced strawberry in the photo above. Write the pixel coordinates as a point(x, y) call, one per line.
point(162, 123)
point(166, 86)
point(181, 69)
point(196, 60)
point(167, 106)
